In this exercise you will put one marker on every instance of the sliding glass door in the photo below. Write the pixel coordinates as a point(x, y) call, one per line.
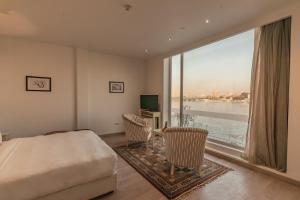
point(215, 82)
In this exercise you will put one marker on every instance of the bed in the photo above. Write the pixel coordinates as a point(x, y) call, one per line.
point(73, 165)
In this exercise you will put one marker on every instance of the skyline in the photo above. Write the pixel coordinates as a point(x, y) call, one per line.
point(221, 67)
point(215, 94)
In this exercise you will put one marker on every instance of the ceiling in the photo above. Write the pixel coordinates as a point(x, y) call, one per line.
point(104, 25)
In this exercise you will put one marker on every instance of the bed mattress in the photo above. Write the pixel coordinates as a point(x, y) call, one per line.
point(34, 167)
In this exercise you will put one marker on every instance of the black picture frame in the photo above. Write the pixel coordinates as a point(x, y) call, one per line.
point(37, 88)
point(113, 87)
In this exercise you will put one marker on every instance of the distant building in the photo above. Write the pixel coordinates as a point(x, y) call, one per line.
point(245, 95)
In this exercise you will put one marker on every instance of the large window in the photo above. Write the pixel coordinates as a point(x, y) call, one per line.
point(210, 89)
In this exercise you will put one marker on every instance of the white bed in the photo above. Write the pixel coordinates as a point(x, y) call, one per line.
point(74, 165)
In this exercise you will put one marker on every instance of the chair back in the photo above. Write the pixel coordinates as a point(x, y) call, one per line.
point(136, 129)
point(185, 146)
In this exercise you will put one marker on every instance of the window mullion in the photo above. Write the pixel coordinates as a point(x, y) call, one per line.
point(181, 90)
point(170, 92)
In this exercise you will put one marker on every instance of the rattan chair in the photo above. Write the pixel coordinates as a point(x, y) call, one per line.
point(185, 147)
point(136, 129)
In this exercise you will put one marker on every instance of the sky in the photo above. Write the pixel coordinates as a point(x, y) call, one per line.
point(222, 67)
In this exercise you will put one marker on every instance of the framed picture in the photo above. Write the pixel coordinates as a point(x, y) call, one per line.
point(116, 87)
point(36, 83)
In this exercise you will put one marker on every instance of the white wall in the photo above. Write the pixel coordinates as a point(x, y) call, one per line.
point(154, 78)
point(105, 109)
point(294, 112)
point(155, 69)
point(82, 95)
point(79, 97)
point(29, 113)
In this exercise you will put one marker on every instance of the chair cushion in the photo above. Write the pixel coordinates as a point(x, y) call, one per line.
point(140, 120)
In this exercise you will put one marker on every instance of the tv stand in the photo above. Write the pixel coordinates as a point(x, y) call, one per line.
point(153, 116)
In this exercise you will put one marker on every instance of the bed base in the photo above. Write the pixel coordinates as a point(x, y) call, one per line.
point(85, 191)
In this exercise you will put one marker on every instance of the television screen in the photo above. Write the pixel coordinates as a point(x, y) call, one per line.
point(149, 102)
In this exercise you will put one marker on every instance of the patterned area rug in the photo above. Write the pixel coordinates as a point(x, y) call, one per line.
point(152, 164)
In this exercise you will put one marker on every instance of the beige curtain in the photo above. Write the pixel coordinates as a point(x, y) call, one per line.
point(268, 120)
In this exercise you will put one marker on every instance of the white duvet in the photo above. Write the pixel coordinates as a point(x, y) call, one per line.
point(38, 166)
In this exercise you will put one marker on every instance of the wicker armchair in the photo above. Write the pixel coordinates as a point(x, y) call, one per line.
point(185, 147)
point(136, 129)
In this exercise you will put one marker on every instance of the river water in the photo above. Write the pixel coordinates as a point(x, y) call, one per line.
point(223, 129)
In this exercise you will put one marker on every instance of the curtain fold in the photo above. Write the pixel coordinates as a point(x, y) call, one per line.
point(268, 119)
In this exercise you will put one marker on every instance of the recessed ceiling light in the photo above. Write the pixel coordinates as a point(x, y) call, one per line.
point(170, 39)
point(207, 21)
point(127, 7)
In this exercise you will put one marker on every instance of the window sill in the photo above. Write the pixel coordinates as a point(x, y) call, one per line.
point(225, 149)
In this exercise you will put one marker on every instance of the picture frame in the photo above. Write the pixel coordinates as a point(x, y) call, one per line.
point(38, 84)
point(116, 87)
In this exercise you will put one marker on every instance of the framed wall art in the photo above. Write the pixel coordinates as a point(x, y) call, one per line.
point(116, 87)
point(37, 83)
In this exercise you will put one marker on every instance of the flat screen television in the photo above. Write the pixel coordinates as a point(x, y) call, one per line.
point(149, 102)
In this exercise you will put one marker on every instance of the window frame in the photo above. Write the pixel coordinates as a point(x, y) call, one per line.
point(211, 140)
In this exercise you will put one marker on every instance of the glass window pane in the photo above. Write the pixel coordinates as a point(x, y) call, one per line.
point(175, 91)
point(216, 86)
